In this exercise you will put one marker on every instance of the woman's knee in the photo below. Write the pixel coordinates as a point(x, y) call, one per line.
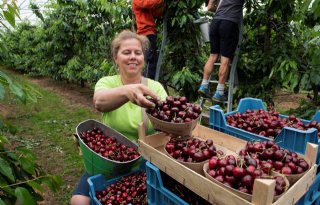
point(80, 200)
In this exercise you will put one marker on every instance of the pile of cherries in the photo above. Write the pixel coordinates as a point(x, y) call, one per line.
point(174, 109)
point(107, 146)
point(267, 123)
point(273, 158)
point(192, 149)
point(131, 189)
point(240, 173)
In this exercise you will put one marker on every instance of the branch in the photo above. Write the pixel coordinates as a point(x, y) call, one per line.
point(23, 182)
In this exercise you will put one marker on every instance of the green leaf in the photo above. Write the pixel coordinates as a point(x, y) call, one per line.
point(5, 78)
point(27, 165)
point(53, 182)
point(2, 92)
point(1, 202)
point(4, 184)
point(9, 17)
point(36, 186)
point(3, 140)
point(6, 170)
point(24, 197)
point(17, 90)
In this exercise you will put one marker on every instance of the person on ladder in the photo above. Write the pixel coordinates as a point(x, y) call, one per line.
point(223, 35)
point(146, 13)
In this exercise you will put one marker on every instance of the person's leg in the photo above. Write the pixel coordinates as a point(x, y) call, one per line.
point(152, 57)
point(209, 66)
point(80, 200)
point(228, 42)
point(224, 69)
point(80, 195)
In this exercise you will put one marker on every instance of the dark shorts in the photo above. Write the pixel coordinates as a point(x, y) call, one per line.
point(83, 187)
point(224, 36)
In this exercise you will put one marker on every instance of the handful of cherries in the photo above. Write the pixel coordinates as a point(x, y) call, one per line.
point(175, 109)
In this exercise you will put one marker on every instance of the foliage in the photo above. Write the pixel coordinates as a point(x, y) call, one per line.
point(47, 128)
point(274, 54)
point(21, 177)
point(184, 54)
point(9, 12)
point(306, 110)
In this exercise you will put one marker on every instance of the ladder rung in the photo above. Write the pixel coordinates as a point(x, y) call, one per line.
point(220, 64)
point(215, 81)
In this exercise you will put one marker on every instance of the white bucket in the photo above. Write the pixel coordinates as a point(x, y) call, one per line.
point(205, 27)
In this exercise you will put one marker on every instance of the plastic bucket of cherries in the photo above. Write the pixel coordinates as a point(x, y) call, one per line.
point(174, 115)
point(106, 151)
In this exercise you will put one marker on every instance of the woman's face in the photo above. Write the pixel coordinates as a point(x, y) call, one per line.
point(130, 58)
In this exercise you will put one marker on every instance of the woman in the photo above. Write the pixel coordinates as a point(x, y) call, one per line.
point(121, 97)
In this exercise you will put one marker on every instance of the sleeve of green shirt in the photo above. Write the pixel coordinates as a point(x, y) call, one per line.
point(105, 82)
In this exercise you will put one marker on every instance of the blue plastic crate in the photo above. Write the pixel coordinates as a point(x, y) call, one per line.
point(289, 138)
point(99, 182)
point(313, 194)
point(157, 193)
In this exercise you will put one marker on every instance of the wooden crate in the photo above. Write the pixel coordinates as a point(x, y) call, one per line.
point(152, 149)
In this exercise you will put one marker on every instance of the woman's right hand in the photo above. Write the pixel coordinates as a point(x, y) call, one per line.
point(137, 94)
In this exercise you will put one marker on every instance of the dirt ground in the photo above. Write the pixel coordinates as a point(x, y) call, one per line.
point(71, 93)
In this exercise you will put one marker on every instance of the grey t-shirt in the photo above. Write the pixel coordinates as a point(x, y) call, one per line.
point(230, 10)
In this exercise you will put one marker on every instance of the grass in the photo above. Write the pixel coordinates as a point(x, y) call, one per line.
point(47, 127)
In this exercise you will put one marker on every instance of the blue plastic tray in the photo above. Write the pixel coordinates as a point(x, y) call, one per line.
point(289, 138)
point(157, 193)
point(99, 182)
point(313, 194)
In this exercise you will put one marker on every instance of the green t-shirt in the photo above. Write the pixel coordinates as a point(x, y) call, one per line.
point(125, 119)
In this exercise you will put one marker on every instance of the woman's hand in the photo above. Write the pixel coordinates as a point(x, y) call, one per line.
point(137, 93)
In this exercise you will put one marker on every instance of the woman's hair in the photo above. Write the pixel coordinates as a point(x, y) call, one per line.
point(125, 35)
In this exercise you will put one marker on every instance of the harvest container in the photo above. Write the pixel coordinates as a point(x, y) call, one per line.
point(151, 148)
point(313, 195)
point(96, 164)
point(289, 138)
point(157, 192)
point(179, 129)
point(99, 182)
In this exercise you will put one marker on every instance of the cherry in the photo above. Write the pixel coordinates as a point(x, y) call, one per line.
point(238, 172)
point(286, 170)
point(247, 180)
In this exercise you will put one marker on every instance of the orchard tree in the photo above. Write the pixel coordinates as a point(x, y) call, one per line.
point(21, 179)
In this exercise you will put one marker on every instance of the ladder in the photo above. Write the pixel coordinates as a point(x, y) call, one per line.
point(233, 77)
point(163, 44)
